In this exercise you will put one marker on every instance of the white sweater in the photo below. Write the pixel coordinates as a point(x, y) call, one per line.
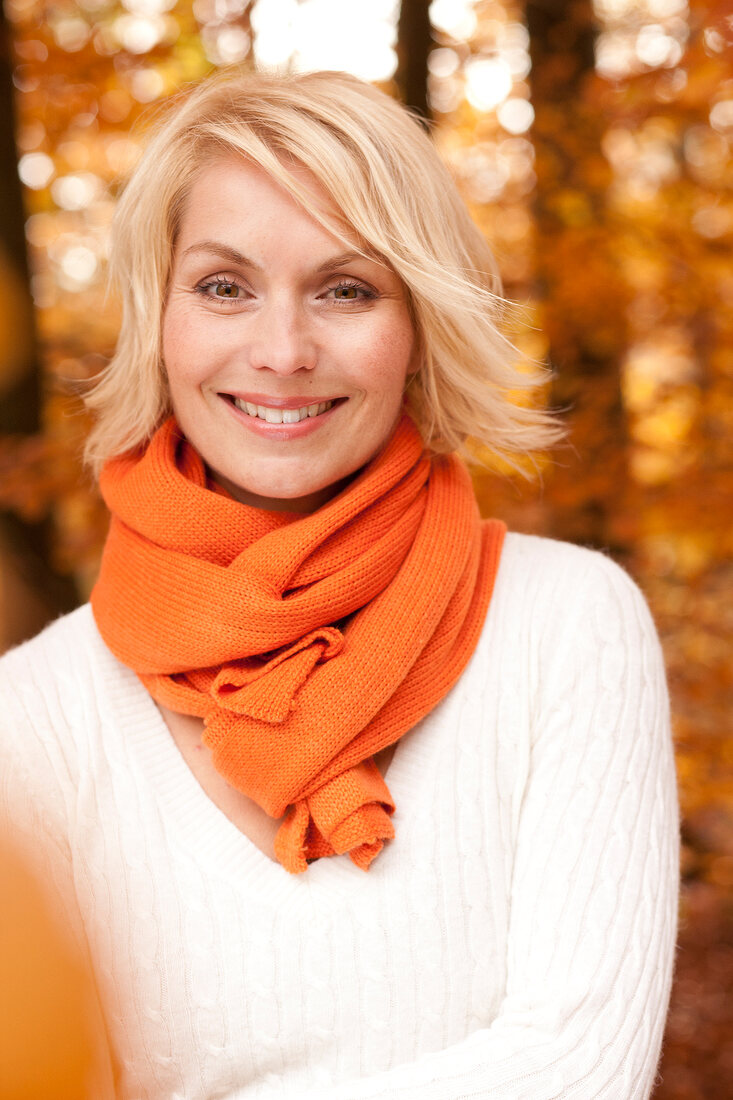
point(515, 940)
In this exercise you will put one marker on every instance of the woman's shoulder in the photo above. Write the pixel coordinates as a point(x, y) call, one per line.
point(552, 595)
point(46, 683)
point(582, 640)
point(64, 648)
point(556, 559)
point(41, 719)
point(563, 571)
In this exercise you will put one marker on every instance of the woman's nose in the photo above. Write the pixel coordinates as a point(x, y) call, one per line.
point(281, 340)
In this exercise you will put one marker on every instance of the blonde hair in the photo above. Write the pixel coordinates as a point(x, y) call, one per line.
point(384, 176)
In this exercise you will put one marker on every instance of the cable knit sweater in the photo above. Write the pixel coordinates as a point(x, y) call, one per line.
point(515, 940)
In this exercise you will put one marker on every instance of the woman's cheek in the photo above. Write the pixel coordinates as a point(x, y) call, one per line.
point(188, 347)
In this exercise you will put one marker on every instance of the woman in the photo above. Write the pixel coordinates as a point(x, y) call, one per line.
point(306, 657)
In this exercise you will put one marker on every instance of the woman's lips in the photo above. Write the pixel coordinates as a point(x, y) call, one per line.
point(282, 418)
point(296, 402)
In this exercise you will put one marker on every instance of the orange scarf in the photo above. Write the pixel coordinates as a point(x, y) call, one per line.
point(306, 643)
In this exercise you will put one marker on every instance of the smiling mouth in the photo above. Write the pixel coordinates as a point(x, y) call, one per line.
point(284, 416)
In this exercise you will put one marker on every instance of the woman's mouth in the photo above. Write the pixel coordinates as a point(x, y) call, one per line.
point(282, 416)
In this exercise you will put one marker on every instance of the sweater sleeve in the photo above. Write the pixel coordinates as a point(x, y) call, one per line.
point(595, 881)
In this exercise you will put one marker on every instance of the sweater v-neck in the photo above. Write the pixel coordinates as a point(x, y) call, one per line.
point(215, 842)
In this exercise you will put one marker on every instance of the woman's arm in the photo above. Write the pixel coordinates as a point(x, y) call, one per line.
point(594, 894)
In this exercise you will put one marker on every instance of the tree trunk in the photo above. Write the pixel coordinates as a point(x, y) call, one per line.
point(414, 42)
point(583, 298)
point(19, 381)
point(30, 592)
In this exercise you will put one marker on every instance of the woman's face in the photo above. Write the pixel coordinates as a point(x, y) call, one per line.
point(286, 354)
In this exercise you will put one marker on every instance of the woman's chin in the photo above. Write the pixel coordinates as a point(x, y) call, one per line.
point(300, 497)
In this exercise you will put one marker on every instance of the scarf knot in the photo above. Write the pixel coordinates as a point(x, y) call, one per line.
point(265, 687)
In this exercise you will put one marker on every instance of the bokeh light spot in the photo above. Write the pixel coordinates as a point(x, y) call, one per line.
point(146, 85)
point(443, 62)
point(721, 115)
point(74, 192)
point(78, 266)
point(138, 34)
point(35, 170)
point(455, 17)
point(71, 33)
point(516, 115)
point(488, 82)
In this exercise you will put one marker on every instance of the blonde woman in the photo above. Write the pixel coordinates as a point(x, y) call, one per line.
point(350, 793)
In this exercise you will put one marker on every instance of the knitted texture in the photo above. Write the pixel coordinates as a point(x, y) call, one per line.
point(306, 643)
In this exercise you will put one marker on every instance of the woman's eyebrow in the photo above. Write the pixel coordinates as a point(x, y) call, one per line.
point(348, 258)
point(225, 251)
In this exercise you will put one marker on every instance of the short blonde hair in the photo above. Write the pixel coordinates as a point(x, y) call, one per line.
point(394, 195)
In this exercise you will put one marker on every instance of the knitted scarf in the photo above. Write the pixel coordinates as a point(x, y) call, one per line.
point(307, 643)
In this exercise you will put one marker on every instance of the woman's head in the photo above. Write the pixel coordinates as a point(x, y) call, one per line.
point(363, 169)
point(286, 349)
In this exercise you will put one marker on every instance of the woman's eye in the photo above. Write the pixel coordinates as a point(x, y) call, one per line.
point(351, 292)
point(226, 290)
point(223, 290)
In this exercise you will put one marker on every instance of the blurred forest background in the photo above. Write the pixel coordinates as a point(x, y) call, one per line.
point(592, 141)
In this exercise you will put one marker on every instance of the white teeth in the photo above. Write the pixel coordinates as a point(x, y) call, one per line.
point(282, 416)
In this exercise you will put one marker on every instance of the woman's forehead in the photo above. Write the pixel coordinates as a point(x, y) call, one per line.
point(220, 182)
